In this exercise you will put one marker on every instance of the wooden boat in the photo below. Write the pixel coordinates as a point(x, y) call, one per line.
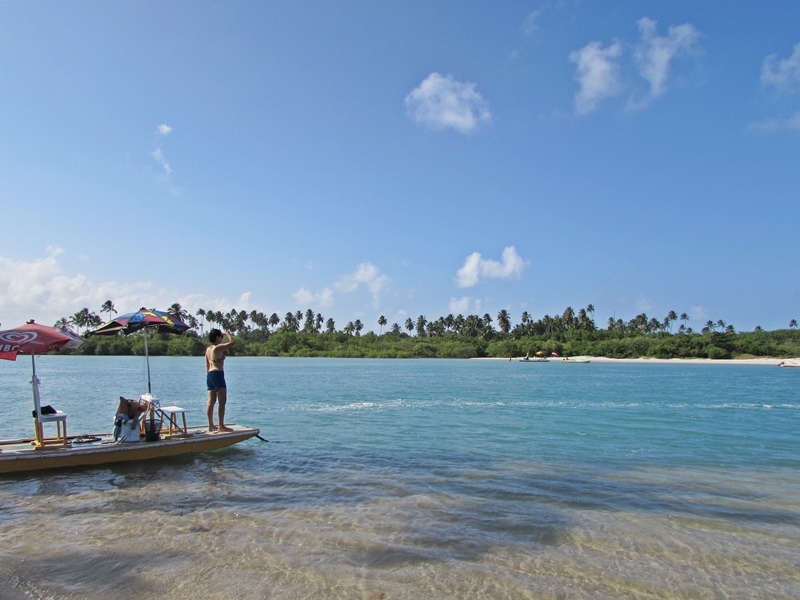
point(143, 428)
point(17, 456)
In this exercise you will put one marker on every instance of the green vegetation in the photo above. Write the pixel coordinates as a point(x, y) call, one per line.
point(570, 334)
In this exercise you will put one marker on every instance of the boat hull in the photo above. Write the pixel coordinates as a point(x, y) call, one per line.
point(20, 456)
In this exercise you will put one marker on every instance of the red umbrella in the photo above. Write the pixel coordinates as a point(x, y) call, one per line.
point(33, 339)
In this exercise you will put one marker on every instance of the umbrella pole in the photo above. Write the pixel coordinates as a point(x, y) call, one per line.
point(147, 360)
point(37, 404)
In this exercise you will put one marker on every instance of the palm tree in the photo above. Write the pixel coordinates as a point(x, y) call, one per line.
point(62, 323)
point(568, 317)
point(349, 328)
point(309, 326)
point(671, 316)
point(409, 324)
point(504, 321)
point(793, 324)
point(421, 322)
point(202, 314)
point(108, 307)
point(176, 310)
point(290, 323)
point(274, 320)
point(330, 326)
point(79, 319)
point(395, 329)
point(358, 326)
point(318, 322)
point(381, 322)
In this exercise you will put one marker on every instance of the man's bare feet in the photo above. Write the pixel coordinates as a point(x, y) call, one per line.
point(212, 427)
point(223, 428)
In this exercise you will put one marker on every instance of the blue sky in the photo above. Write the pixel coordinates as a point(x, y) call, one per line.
point(401, 158)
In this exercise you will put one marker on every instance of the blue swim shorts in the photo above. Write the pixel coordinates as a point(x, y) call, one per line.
point(216, 380)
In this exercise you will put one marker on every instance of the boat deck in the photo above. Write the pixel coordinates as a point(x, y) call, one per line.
point(22, 455)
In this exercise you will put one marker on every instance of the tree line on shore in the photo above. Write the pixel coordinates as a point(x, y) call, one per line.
point(570, 334)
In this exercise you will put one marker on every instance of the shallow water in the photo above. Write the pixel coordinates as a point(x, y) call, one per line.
point(419, 479)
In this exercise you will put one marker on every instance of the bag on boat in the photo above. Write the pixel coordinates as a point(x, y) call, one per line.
point(131, 408)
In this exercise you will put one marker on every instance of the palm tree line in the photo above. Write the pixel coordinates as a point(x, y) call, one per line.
point(242, 323)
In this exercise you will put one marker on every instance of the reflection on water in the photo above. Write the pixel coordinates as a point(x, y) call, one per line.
point(436, 480)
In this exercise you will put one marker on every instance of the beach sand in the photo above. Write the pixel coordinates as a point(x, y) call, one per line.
point(678, 361)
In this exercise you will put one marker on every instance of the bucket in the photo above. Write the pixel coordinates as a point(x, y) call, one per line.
point(152, 430)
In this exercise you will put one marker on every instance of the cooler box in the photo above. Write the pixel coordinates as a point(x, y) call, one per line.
point(128, 431)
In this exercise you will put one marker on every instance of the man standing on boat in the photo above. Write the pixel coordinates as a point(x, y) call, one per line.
point(215, 377)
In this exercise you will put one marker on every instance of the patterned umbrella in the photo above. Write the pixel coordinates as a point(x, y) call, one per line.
point(33, 339)
point(143, 319)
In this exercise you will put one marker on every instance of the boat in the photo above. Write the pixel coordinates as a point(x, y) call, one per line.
point(533, 359)
point(575, 360)
point(143, 428)
point(792, 363)
point(18, 456)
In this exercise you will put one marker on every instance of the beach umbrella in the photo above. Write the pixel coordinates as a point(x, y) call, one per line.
point(143, 320)
point(34, 339)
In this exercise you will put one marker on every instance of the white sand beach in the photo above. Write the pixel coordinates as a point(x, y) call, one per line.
point(679, 361)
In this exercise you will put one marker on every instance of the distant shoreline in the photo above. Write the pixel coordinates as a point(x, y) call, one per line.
point(672, 361)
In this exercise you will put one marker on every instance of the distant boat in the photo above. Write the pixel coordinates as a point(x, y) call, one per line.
point(575, 360)
point(794, 363)
point(533, 359)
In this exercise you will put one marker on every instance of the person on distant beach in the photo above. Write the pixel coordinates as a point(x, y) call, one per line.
point(215, 377)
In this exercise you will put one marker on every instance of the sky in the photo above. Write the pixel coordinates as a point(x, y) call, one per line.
point(411, 158)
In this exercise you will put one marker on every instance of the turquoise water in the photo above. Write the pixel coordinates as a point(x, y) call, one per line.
point(420, 479)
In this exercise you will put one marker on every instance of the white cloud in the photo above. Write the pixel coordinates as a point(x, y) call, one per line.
point(40, 289)
point(654, 54)
point(440, 102)
point(367, 275)
point(531, 24)
point(598, 68)
point(322, 298)
point(158, 156)
point(161, 131)
point(783, 74)
point(597, 73)
point(775, 125)
point(476, 268)
point(699, 312)
point(459, 306)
